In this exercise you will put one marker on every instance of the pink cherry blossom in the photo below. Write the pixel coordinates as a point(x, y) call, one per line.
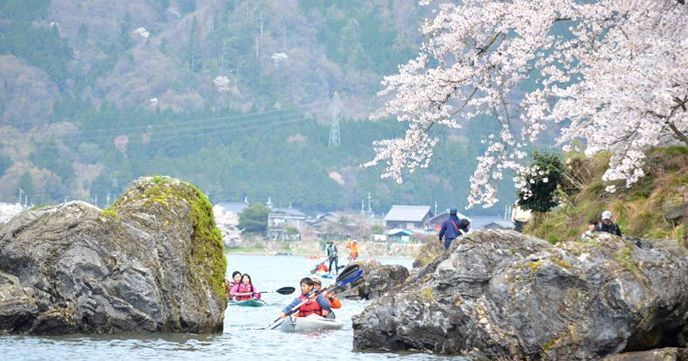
point(611, 75)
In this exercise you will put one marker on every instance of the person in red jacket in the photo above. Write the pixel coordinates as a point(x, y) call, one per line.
point(309, 303)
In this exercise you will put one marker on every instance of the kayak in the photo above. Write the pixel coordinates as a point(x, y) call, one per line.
point(325, 275)
point(247, 303)
point(310, 323)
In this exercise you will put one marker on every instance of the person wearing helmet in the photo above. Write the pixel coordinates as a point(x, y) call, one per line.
point(329, 296)
point(606, 224)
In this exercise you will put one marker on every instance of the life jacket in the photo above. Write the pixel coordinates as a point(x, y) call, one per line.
point(334, 301)
point(244, 289)
point(310, 307)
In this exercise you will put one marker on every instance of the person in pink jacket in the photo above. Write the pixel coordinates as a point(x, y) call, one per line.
point(245, 290)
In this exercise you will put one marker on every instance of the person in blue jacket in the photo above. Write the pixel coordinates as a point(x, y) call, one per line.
point(452, 228)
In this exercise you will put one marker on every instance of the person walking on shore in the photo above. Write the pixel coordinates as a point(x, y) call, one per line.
point(450, 229)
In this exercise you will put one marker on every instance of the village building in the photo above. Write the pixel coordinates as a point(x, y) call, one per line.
point(407, 217)
point(487, 222)
point(286, 224)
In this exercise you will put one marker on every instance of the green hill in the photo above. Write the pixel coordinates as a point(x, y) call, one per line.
point(233, 96)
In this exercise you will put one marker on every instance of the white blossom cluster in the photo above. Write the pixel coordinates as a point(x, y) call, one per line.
point(611, 73)
point(9, 210)
point(141, 31)
point(222, 83)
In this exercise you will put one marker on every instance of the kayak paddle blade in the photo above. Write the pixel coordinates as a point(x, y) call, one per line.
point(286, 290)
point(347, 272)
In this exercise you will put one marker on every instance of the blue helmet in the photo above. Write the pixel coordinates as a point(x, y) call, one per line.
point(452, 211)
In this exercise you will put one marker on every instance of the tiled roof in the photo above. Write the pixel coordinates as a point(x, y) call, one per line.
point(234, 207)
point(407, 213)
point(481, 222)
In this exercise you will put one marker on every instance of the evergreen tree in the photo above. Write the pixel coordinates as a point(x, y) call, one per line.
point(254, 218)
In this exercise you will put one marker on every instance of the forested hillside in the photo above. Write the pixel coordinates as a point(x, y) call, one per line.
point(234, 96)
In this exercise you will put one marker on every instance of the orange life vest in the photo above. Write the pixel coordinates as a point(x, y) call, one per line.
point(310, 307)
point(334, 301)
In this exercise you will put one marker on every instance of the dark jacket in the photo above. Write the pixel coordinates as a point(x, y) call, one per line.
point(450, 228)
point(612, 228)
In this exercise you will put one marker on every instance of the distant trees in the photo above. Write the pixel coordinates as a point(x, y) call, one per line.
point(5, 163)
point(254, 218)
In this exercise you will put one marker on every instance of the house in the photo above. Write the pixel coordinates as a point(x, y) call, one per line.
point(283, 221)
point(407, 217)
point(435, 222)
point(399, 235)
point(232, 207)
point(487, 222)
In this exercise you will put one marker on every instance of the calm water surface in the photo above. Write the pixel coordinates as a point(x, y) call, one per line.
point(241, 340)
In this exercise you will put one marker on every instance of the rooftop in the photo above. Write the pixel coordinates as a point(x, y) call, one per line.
point(407, 213)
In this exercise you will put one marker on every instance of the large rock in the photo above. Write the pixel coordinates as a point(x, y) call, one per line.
point(500, 294)
point(152, 262)
point(662, 354)
point(376, 281)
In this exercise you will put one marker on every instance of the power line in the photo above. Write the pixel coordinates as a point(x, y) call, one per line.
point(199, 120)
point(192, 127)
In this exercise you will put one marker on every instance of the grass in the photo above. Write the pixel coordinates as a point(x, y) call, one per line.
point(243, 249)
point(640, 211)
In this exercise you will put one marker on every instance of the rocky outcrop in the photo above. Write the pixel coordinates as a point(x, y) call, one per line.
point(377, 280)
point(663, 354)
point(152, 262)
point(501, 294)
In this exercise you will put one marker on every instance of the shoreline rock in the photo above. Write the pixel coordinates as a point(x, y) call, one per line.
point(152, 262)
point(501, 294)
point(377, 280)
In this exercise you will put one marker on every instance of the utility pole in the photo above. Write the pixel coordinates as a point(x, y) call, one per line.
point(259, 37)
point(363, 212)
point(370, 208)
point(334, 125)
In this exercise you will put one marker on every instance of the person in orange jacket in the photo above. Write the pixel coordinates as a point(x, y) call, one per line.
point(329, 296)
point(353, 251)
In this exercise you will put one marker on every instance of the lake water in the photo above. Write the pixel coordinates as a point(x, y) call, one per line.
point(241, 338)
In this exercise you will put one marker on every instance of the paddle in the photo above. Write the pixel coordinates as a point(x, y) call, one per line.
point(281, 291)
point(348, 275)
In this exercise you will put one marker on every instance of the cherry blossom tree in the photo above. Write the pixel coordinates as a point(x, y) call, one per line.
point(610, 75)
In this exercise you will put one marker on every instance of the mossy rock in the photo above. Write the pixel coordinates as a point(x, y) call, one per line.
point(164, 195)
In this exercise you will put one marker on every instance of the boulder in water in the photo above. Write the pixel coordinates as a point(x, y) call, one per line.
point(152, 262)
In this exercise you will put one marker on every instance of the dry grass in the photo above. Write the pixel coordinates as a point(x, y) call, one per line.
point(640, 211)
